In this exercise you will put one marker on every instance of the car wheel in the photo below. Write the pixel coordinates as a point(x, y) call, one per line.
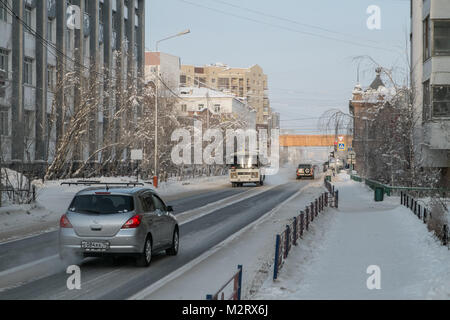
point(173, 251)
point(145, 258)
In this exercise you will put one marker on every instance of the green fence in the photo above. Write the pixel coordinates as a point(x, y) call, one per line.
point(389, 190)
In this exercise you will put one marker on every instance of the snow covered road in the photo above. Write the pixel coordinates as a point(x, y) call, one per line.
point(332, 261)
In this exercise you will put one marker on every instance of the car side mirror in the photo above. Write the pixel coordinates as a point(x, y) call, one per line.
point(169, 209)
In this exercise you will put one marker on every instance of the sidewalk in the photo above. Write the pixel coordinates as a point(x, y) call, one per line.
point(331, 262)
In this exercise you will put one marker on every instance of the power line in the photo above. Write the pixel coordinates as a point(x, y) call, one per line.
point(284, 27)
point(291, 21)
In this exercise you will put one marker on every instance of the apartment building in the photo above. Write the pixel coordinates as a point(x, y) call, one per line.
point(248, 83)
point(40, 47)
point(430, 77)
point(196, 101)
point(167, 66)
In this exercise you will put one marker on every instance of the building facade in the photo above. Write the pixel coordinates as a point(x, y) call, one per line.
point(248, 83)
point(167, 66)
point(196, 101)
point(365, 107)
point(430, 81)
point(38, 50)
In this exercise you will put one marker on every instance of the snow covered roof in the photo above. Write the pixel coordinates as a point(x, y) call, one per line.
point(194, 92)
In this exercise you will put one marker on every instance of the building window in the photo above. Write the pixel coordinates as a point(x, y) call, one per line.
point(199, 70)
point(49, 30)
point(441, 101)
point(426, 114)
point(217, 108)
point(182, 80)
point(28, 71)
point(3, 12)
point(51, 77)
point(27, 17)
point(4, 121)
point(224, 83)
point(200, 107)
point(68, 40)
point(183, 108)
point(426, 39)
point(441, 37)
point(29, 123)
point(4, 60)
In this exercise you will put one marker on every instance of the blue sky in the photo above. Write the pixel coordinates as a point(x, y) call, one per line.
point(306, 47)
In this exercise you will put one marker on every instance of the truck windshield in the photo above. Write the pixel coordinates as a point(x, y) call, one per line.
point(102, 204)
point(247, 162)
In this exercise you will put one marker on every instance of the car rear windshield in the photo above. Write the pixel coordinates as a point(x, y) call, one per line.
point(102, 204)
point(304, 166)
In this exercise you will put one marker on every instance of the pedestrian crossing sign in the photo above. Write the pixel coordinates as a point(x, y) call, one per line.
point(341, 146)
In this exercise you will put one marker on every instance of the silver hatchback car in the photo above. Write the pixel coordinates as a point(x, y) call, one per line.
point(118, 221)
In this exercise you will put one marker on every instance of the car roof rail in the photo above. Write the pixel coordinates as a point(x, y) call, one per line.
point(99, 183)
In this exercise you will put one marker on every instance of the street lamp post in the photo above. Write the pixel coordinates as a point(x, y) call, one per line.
point(156, 96)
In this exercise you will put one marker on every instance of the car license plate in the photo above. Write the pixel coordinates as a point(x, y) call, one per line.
point(95, 245)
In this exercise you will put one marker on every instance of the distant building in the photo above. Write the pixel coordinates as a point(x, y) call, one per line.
point(363, 107)
point(165, 65)
point(247, 83)
point(430, 77)
point(196, 101)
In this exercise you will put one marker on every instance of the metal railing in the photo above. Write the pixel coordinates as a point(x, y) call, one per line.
point(424, 214)
point(390, 190)
point(300, 224)
point(237, 288)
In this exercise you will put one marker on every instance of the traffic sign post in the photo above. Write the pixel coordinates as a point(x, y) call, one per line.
point(137, 155)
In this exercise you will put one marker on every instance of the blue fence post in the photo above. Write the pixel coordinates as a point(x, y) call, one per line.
point(277, 254)
point(418, 211)
point(302, 223)
point(209, 297)
point(294, 240)
point(336, 197)
point(445, 235)
point(240, 282)
point(288, 239)
point(424, 215)
point(312, 211)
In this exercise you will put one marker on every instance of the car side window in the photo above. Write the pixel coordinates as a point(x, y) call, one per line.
point(159, 204)
point(147, 203)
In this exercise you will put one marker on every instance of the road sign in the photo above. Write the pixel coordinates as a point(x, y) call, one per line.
point(341, 146)
point(136, 154)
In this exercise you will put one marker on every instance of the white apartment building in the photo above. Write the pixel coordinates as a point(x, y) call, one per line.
point(195, 100)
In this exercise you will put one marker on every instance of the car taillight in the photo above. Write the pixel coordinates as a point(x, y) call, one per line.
point(133, 222)
point(64, 222)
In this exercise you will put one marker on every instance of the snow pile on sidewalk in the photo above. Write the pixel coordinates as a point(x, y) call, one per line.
point(331, 262)
point(52, 200)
